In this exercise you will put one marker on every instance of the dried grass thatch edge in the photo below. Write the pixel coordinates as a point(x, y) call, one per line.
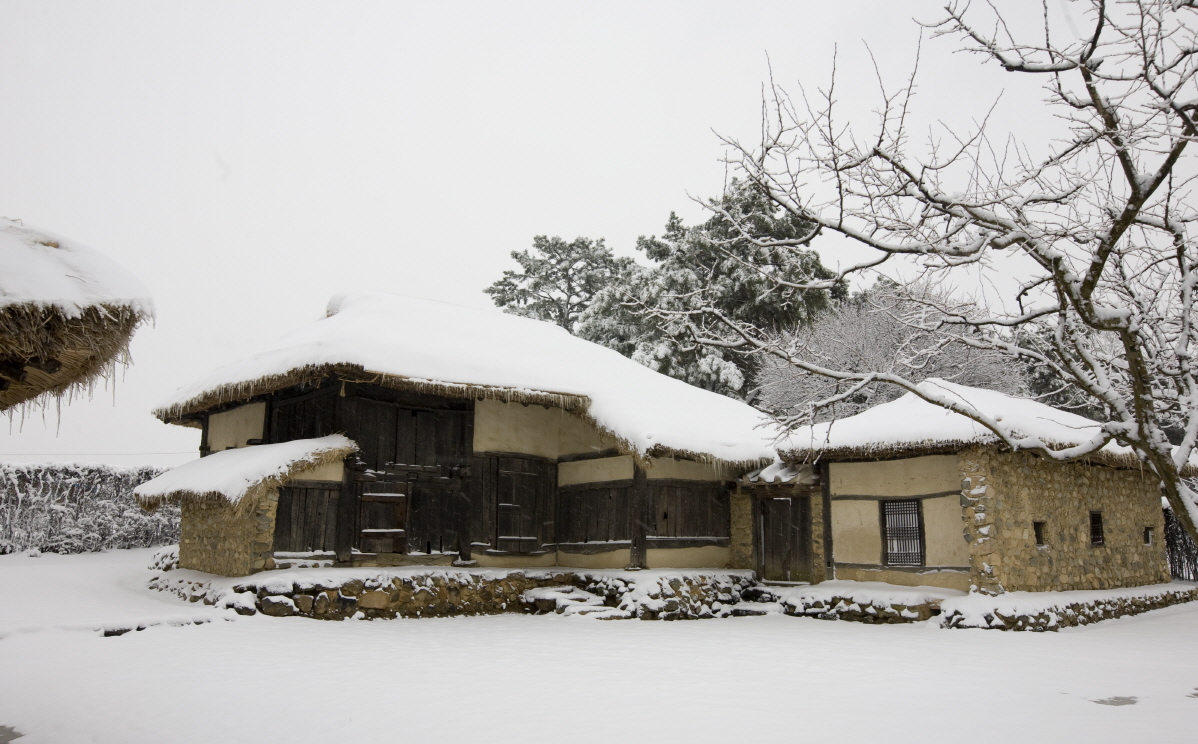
point(94, 343)
point(811, 455)
point(255, 491)
point(572, 403)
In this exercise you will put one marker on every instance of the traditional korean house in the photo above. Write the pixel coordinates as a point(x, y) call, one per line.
point(398, 431)
point(910, 493)
point(67, 314)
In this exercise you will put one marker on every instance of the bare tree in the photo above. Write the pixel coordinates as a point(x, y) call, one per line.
point(882, 329)
point(1098, 230)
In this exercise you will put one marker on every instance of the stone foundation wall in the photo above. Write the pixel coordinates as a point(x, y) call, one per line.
point(1063, 613)
point(1004, 493)
point(648, 595)
point(218, 538)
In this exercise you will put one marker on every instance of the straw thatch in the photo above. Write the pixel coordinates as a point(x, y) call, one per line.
point(44, 351)
point(183, 412)
point(150, 495)
point(809, 455)
point(67, 314)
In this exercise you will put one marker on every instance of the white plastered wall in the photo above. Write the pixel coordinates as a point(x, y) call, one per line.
point(532, 430)
point(944, 532)
point(708, 556)
point(232, 428)
point(856, 522)
point(913, 476)
point(595, 471)
point(856, 532)
point(682, 470)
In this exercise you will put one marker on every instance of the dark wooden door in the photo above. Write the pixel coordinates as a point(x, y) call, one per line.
point(414, 462)
point(306, 517)
point(383, 517)
point(784, 539)
point(524, 505)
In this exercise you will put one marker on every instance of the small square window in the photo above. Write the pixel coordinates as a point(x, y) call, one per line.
point(1038, 528)
point(1148, 536)
point(1096, 536)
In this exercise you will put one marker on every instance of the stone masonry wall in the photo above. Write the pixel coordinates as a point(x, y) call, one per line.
point(216, 537)
point(1004, 493)
point(741, 509)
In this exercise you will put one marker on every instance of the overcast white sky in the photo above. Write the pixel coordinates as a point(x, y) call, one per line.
point(247, 160)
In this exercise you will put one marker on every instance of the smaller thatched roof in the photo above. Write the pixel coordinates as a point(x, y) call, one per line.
point(912, 427)
point(66, 313)
point(237, 476)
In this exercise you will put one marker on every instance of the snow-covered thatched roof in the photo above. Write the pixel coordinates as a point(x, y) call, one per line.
point(911, 426)
point(66, 313)
point(433, 347)
point(237, 475)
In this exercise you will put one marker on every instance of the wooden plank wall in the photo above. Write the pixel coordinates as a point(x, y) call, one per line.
point(306, 518)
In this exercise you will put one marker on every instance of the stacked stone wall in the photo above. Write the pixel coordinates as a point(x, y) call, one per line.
point(1004, 493)
point(649, 595)
point(741, 512)
point(220, 538)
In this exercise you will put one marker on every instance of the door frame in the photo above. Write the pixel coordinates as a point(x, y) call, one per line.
point(760, 496)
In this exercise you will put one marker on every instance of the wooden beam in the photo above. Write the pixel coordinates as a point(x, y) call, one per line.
point(642, 517)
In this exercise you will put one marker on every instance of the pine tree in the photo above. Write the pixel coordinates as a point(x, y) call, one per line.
point(712, 263)
point(559, 279)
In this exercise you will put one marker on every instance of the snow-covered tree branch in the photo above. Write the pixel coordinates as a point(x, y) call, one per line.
point(1093, 222)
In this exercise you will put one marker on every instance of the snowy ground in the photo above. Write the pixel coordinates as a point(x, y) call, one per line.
point(554, 678)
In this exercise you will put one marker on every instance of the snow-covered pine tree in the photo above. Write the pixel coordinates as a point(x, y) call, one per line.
point(559, 279)
point(737, 272)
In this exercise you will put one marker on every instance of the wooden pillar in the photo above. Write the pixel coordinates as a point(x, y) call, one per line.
point(642, 518)
point(825, 489)
point(205, 450)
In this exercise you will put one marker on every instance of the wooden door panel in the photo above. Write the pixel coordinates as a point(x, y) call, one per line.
point(784, 534)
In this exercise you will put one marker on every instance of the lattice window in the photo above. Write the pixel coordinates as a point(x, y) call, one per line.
point(902, 533)
point(1096, 536)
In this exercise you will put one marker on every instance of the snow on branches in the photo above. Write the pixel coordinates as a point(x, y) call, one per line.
point(1100, 230)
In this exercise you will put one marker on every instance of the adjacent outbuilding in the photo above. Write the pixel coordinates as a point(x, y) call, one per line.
point(470, 436)
point(911, 493)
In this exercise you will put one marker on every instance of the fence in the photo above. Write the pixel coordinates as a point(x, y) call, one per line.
point(68, 508)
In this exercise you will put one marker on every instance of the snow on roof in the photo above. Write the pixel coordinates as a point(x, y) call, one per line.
point(234, 474)
point(780, 472)
point(912, 426)
point(66, 313)
point(48, 270)
point(431, 346)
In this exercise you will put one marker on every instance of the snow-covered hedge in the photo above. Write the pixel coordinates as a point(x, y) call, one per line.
point(68, 508)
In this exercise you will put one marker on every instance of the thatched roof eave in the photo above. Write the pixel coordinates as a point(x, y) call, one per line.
point(806, 456)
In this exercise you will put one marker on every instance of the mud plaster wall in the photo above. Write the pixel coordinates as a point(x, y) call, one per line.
point(741, 545)
point(233, 428)
point(532, 430)
point(1004, 493)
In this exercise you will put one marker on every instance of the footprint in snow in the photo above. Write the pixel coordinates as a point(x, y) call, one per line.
point(1117, 700)
point(1193, 694)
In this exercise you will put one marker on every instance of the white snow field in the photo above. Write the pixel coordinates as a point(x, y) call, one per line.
point(515, 678)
